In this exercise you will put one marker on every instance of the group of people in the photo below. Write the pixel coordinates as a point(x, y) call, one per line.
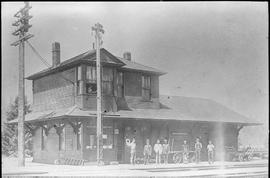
point(210, 150)
point(162, 151)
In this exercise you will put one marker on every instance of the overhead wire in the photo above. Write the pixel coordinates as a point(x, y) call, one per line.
point(44, 60)
point(36, 52)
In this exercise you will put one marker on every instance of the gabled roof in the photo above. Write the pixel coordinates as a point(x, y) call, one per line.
point(172, 108)
point(89, 57)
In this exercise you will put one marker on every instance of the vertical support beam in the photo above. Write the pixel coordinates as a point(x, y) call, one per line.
point(99, 99)
point(21, 102)
point(239, 127)
point(98, 30)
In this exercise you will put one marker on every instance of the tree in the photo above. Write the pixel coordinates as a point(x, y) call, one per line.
point(9, 133)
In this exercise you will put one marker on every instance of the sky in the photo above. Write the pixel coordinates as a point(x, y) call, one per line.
point(215, 50)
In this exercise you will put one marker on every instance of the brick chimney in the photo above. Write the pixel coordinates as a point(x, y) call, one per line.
point(127, 56)
point(55, 54)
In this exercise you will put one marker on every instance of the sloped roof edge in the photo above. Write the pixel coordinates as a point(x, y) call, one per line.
point(185, 110)
point(84, 58)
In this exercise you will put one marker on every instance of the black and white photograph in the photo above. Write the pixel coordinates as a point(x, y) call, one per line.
point(135, 89)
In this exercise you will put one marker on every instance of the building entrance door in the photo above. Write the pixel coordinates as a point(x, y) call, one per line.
point(120, 142)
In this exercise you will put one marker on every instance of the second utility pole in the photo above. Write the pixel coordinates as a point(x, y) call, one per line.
point(98, 29)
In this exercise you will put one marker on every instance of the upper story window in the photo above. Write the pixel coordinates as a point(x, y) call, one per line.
point(79, 77)
point(91, 74)
point(88, 79)
point(120, 84)
point(107, 79)
point(91, 80)
point(146, 87)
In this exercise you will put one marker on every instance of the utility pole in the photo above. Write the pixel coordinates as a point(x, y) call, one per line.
point(98, 29)
point(23, 25)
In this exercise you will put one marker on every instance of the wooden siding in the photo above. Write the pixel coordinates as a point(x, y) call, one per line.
point(132, 84)
point(53, 91)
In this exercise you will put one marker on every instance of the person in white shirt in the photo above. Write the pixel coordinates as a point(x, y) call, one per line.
point(210, 149)
point(132, 146)
point(198, 147)
point(147, 151)
point(158, 151)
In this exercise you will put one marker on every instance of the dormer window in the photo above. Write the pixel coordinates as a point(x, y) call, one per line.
point(146, 87)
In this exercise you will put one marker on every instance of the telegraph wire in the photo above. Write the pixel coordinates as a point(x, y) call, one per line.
point(44, 60)
point(41, 58)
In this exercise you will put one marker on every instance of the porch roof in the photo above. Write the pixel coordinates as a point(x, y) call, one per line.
point(172, 108)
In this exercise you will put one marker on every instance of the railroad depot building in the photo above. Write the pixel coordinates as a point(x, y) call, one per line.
point(63, 117)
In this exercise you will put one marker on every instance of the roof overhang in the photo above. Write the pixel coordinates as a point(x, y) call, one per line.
point(75, 113)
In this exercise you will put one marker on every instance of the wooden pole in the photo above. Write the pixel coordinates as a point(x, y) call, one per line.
point(98, 30)
point(23, 25)
point(21, 101)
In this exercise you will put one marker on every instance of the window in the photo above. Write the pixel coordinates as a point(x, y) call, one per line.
point(91, 80)
point(79, 73)
point(120, 84)
point(92, 142)
point(107, 137)
point(78, 87)
point(69, 135)
point(79, 138)
point(43, 138)
point(91, 74)
point(107, 79)
point(91, 88)
point(62, 140)
point(146, 87)
point(79, 78)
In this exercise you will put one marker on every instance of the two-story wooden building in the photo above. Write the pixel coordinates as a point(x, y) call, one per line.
point(63, 117)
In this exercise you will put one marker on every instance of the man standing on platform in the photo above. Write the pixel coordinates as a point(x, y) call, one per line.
point(147, 151)
point(165, 151)
point(198, 147)
point(210, 149)
point(158, 151)
point(185, 152)
point(132, 146)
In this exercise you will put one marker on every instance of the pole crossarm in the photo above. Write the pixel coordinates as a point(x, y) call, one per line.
point(24, 38)
point(17, 23)
point(24, 9)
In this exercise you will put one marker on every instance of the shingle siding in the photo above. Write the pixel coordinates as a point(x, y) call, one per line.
point(53, 91)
